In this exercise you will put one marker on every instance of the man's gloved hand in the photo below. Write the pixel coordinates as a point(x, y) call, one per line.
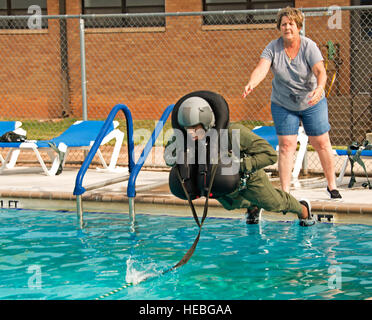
point(243, 181)
point(246, 164)
point(170, 154)
point(245, 171)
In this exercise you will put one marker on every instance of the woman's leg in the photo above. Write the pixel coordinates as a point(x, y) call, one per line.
point(287, 149)
point(316, 124)
point(323, 147)
point(286, 125)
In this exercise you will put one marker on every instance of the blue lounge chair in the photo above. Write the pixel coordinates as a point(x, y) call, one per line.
point(269, 134)
point(7, 126)
point(366, 154)
point(80, 135)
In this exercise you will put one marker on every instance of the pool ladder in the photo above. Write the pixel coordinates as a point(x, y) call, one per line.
point(133, 168)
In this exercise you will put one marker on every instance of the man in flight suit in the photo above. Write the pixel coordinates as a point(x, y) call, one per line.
point(255, 191)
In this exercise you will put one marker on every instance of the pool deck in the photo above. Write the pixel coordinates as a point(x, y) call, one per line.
point(31, 188)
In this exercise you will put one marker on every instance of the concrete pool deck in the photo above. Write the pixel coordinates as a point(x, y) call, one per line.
point(30, 188)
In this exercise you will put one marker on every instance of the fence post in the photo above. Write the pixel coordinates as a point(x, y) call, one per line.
point(83, 72)
point(304, 161)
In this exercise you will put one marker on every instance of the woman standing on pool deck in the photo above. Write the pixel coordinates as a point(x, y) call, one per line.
point(297, 94)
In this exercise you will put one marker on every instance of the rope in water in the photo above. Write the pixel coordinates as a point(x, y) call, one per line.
point(112, 292)
point(127, 285)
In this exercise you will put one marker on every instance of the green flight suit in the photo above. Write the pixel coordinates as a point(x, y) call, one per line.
point(256, 153)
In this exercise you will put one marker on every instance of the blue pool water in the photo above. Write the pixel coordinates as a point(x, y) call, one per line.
point(43, 255)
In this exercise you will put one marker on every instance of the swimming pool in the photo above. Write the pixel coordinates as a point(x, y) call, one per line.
point(44, 255)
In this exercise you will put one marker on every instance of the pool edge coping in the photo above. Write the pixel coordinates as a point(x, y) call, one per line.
point(317, 206)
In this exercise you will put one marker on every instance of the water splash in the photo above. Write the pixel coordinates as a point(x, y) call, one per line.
point(135, 275)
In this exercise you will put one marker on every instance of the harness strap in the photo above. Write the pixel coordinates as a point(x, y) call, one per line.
point(194, 214)
point(190, 252)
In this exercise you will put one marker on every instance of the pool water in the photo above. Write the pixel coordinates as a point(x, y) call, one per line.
point(44, 255)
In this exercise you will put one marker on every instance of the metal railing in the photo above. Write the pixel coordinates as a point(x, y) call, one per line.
point(134, 167)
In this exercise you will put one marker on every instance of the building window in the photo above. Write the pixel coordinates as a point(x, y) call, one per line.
point(220, 5)
point(20, 8)
point(123, 6)
point(366, 20)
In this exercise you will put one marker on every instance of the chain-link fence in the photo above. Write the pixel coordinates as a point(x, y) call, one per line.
point(148, 61)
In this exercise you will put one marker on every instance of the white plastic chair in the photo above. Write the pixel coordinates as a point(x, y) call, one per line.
point(269, 134)
point(11, 126)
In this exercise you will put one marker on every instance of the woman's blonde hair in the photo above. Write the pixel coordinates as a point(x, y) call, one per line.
point(293, 14)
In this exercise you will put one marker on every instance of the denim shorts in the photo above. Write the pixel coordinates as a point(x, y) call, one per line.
point(314, 119)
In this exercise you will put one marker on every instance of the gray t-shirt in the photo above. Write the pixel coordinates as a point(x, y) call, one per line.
point(294, 80)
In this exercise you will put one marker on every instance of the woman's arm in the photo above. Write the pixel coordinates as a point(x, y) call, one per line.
point(321, 77)
point(256, 152)
point(258, 74)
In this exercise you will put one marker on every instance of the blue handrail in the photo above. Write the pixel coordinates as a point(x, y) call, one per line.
point(131, 190)
point(79, 189)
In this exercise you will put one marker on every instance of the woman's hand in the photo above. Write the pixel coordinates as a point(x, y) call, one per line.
point(315, 96)
point(258, 74)
point(321, 77)
point(248, 89)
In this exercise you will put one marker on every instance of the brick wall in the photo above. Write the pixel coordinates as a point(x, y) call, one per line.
point(159, 81)
point(28, 58)
point(321, 3)
point(183, 6)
